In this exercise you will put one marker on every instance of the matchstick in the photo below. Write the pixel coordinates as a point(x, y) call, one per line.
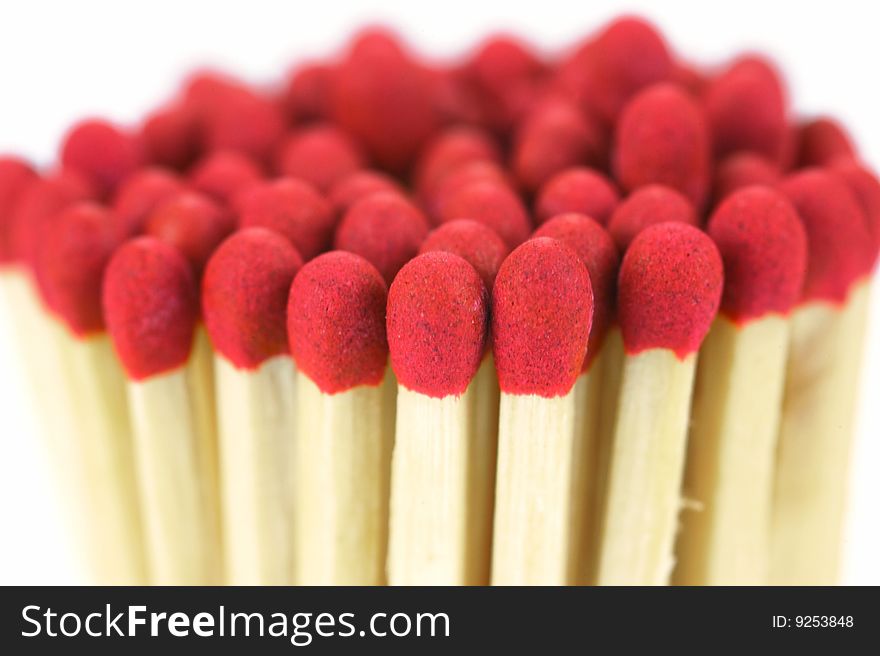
point(669, 291)
point(138, 195)
point(821, 389)
point(345, 420)
point(151, 307)
point(70, 263)
point(728, 483)
point(440, 526)
point(244, 303)
point(542, 309)
point(597, 251)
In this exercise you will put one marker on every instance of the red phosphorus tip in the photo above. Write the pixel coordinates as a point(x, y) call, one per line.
point(475, 242)
point(382, 96)
point(669, 289)
point(579, 189)
point(336, 322)
point(663, 137)
point(597, 251)
point(360, 184)
point(244, 296)
point(648, 206)
point(503, 74)
point(138, 196)
point(456, 179)
point(102, 152)
point(171, 136)
point(151, 304)
point(225, 174)
point(385, 229)
point(437, 324)
point(627, 56)
point(70, 262)
point(194, 224)
point(556, 135)
point(292, 208)
point(821, 140)
point(36, 208)
point(492, 203)
point(320, 154)
point(15, 176)
point(743, 170)
point(746, 108)
point(764, 248)
point(542, 310)
point(689, 76)
point(866, 188)
point(307, 92)
point(840, 244)
point(449, 151)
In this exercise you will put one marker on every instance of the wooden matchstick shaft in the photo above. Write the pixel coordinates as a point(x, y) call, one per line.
point(647, 462)
point(175, 447)
point(815, 440)
point(442, 486)
point(342, 482)
point(544, 457)
point(731, 451)
point(256, 424)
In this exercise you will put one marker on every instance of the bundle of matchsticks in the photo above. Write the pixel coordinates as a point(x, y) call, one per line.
point(585, 317)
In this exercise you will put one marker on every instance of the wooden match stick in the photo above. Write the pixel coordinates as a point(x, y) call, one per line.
point(669, 291)
point(821, 389)
point(151, 304)
point(345, 420)
point(542, 309)
point(440, 525)
point(244, 302)
point(725, 538)
point(70, 263)
point(597, 251)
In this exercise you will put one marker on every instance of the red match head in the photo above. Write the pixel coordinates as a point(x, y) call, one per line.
point(138, 196)
point(194, 224)
point(450, 150)
point(649, 206)
point(15, 175)
point(307, 94)
point(102, 152)
point(743, 169)
point(542, 310)
point(385, 229)
point(669, 289)
point(336, 322)
point(579, 189)
point(456, 179)
point(292, 208)
point(493, 204)
point(821, 140)
point(555, 136)
point(382, 96)
point(151, 303)
point(224, 174)
point(360, 184)
point(764, 248)
point(244, 296)
point(627, 56)
point(437, 324)
point(597, 251)
point(746, 108)
point(70, 263)
point(662, 137)
point(171, 136)
point(866, 188)
point(319, 154)
point(477, 243)
point(840, 243)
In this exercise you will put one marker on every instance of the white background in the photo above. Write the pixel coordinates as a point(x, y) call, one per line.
point(62, 60)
